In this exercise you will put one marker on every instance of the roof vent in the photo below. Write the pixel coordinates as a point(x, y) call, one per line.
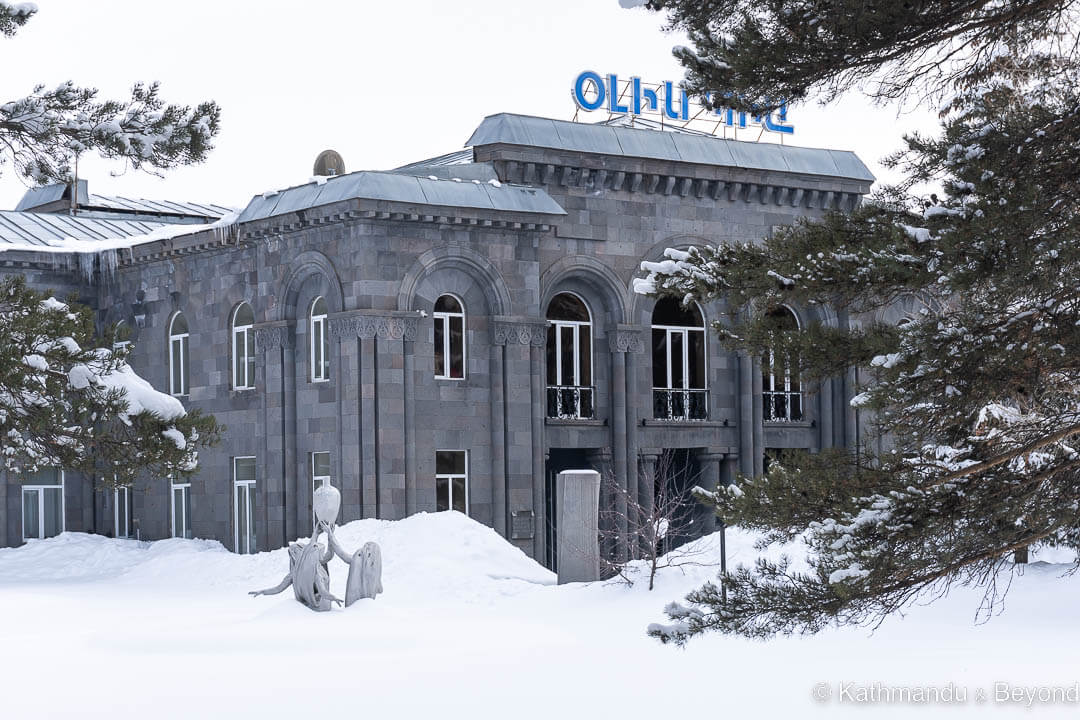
point(329, 163)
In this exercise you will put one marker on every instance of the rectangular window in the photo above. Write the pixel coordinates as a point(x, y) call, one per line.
point(121, 512)
point(43, 504)
point(320, 471)
point(178, 361)
point(243, 358)
point(244, 504)
point(452, 480)
point(320, 350)
point(449, 346)
point(180, 515)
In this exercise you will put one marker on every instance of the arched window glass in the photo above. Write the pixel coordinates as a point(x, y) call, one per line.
point(320, 342)
point(178, 355)
point(678, 348)
point(569, 358)
point(449, 338)
point(782, 399)
point(243, 347)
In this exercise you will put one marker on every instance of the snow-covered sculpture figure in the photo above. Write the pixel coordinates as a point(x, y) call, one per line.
point(308, 573)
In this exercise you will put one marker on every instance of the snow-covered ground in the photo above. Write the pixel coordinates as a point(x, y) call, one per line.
point(470, 627)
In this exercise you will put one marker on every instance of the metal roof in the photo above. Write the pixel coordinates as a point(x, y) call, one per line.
point(26, 229)
point(41, 196)
point(458, 157)
point(532, 131)
point(402, 188)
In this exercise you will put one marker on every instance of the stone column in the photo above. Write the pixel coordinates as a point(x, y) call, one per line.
point(409, 347)
point(649, 457)
point(577, 503)
point(539, 402)
point(759, 425)
point(499, 511)
point(622, 340)
point(746, 414)
point(851, 415)
point(368, 463)
point(825, 413)
point(347, 378)
point(276, 489)
point(711, 479)
point(389, 332)
point(632, 489)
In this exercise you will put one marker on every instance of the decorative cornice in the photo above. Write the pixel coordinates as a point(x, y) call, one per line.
point(519, 332)
point(274, 335)
point(625, 339)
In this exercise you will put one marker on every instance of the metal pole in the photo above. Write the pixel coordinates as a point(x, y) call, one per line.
point(723, 562)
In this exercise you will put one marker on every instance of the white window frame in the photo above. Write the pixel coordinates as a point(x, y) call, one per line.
point(444, 319)
point(560, 381)
point(316, 480)
point(178, 341)
point(237, 485)
point(449, 477)
point(320, 371)
point(117, 518)
point(185, 505)
point(683, 331)
point(769, 389)
point(40, 490)
point(241, 337)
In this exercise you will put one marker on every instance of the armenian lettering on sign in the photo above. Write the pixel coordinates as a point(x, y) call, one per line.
point(634, 97)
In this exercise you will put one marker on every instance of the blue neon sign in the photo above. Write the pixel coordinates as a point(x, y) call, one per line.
point(674, 105)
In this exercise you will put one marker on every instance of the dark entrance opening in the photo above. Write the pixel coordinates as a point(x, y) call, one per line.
point(559, 459)
point(677, 472)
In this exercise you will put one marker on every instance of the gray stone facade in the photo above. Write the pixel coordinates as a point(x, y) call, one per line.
point(381, 265)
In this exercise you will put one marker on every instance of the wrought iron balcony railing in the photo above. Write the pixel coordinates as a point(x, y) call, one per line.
point(571, 402)
point(781, 406)
point(680, 404)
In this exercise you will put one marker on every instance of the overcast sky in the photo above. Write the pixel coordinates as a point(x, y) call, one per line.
point(383, 83)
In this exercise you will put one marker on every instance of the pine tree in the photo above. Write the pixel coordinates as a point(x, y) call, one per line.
point(975, 394)
point(67, 402)
point(45, 131)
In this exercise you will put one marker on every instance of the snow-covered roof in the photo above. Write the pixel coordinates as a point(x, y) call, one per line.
point(635, 142)
point(403, 188)
point(40, 230)
point(48, 199)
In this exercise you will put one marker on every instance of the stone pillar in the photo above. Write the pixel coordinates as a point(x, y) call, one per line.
point(825, 413)
point(389, 332)
point(729, 469)
point(710, 460)
point(409, 416)
point(759, 425)
point(622, 341)
point(746, 414)
point(368, 462)
point(577, 502)
point(851, 415)
point(632, 489)
point(650, 458)
point(499, 509)
point(539, 402)
point(276, 487)
point(347, 377)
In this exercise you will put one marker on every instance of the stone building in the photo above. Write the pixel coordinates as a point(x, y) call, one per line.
point(449, 334)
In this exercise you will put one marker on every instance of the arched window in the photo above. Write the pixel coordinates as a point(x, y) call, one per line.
point(781, 390)
point(678, 342)
point(243, 347)
point(569, 358)
point(320, 342)
point(178, 355)
point(449, 338)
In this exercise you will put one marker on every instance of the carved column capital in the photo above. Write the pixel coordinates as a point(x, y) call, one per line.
point(367, 324)
point(271, 336)
point(625, 339)
point(508, 331)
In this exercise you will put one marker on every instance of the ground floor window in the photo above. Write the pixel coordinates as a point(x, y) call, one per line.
point(180, 516)
point(43, 504)
point(452, 480)
point(121, 512)
point(320, 471)
point(244, 504)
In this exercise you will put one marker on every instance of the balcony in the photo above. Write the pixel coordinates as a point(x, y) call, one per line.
point(680, 404)
point(571, 402)
point(782, 406)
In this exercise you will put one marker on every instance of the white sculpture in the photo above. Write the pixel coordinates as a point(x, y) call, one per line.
point(308, 573)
